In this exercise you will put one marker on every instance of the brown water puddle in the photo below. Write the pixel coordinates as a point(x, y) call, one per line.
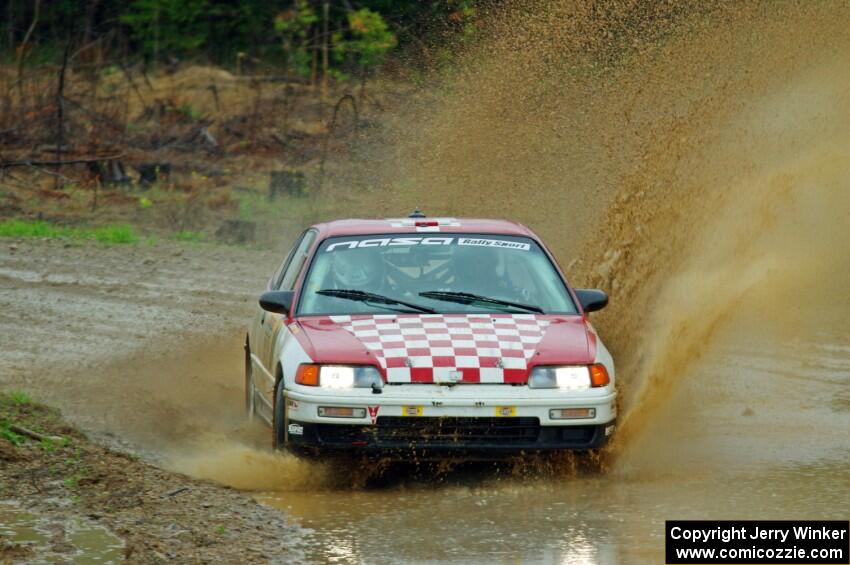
point(754, 433)
point(54, 540)
point(606, 519)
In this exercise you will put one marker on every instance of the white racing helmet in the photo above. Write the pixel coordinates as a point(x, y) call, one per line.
point(477, 266)
point(357, 268)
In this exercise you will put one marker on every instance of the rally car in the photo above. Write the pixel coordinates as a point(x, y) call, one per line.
point(427, 335)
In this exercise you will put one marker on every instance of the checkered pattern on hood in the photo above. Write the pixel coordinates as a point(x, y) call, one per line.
point(485, 348)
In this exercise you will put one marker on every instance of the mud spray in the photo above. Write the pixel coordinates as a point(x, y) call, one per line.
point(693, 162)
point(181, 407)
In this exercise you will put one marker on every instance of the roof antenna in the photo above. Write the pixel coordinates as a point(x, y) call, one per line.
point(417, 213)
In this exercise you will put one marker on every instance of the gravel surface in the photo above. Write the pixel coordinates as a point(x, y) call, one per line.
point(140, 348)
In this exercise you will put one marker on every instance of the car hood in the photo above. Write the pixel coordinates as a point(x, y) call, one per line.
point(464, 348)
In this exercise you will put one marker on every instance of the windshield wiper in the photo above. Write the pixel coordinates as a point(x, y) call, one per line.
point(468, 298)
point(363, 296)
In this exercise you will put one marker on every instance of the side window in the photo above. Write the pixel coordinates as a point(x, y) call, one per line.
point(278, 275)
point(296, 262)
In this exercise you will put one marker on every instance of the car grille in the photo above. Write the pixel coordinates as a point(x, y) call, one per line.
point(425, 432)
point(457, 430)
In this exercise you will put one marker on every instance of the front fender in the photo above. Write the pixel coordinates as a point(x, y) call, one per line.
point(289, 353)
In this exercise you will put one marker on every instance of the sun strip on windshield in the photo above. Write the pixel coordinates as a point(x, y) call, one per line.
point(409, 241)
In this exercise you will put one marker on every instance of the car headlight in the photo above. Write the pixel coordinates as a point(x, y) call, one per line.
point(581, 377)
point(339, 376)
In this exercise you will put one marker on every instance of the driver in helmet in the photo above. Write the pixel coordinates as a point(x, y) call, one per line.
point(476, 269)
point(482, 270)
point(358, 269)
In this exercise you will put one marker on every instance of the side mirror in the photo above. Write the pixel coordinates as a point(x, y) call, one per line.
point(277, 301)
point(592, 299)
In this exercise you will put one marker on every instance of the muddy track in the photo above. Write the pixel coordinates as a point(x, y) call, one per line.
point(118, 339)
point(81, 500)
point(123, 339)
point(76, 305)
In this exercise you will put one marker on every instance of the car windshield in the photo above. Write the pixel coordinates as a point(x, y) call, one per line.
point(444, 273)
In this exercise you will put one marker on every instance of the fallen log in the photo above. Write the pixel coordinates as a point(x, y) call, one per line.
point(54, 163)
point(20, 430)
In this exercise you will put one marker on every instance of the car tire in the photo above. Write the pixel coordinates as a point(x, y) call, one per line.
point(279, 426)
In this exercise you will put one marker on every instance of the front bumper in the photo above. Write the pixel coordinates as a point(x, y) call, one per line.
point(453, 436)
point(467, 419)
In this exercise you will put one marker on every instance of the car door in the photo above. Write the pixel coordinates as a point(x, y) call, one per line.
point(271, 323)
point(258, 339)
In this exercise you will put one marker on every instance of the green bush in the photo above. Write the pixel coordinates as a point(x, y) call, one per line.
point(367, 41)
point(108, 235)
point(294, 26)
point(168, 26)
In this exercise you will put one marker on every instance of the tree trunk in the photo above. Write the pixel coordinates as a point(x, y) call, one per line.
point(325, 41)
point(60, 112)
point(88, 32)
point(22, 48)
point(10, 23)
point(314, 61)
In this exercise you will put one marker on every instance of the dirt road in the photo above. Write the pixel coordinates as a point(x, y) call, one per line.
point(70, 311)
point(141, 347)
point(81, 326)
point(66, 304)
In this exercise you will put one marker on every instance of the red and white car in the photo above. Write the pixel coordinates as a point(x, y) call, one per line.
point(427, 335)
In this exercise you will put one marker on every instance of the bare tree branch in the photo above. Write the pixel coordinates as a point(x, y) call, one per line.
point(23, 47)
point(60, 111)
point(81, 160)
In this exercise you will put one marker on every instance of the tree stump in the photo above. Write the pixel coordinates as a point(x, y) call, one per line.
point(109, 172)
point(236, 232)
point(149, 173)
point(288, 182)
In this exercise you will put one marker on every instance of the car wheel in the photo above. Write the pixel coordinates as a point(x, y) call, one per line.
point(279, 427)
point(250, 395)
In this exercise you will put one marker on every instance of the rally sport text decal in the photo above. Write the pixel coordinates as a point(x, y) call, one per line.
point(399, 241)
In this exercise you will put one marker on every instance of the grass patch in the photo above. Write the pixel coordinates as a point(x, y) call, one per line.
point(17, 398)
point(73, 481)
point(8, 434)
point(10, 403)
point(17, 405)
point(108, 235)
point(190, 236)
point(115, 234)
